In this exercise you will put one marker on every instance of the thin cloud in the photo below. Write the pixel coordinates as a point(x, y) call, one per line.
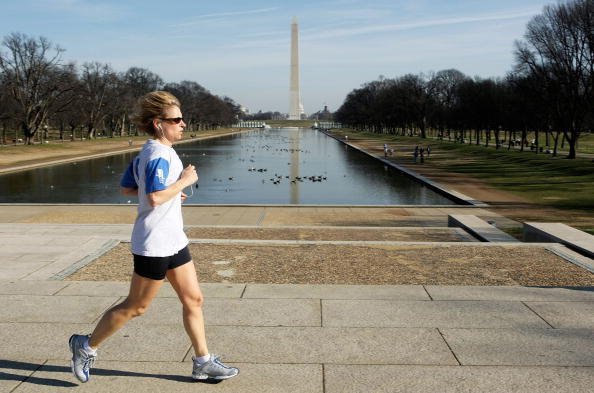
point(86, 9)
point(420, 24)
point(199, 18)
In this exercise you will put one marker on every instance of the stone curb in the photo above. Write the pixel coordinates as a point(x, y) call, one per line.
point(85, 261)
point(479, 228)
point(454, 195)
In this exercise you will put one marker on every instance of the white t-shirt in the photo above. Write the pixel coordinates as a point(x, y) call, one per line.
point(158, 231)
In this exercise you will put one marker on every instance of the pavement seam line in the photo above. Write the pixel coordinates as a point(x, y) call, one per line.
point(448, 345)
point(537, 314)
point(323, 378)
point(243, 291)
point(427, 292)
point(107, 246)
point(186, 353)
point(61, 289)
point(29, 376)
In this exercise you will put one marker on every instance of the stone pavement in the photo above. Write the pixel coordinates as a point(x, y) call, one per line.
point(286, 338)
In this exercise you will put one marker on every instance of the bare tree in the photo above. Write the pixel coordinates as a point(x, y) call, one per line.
point(35, 78)
point(98, 85)
point(558, 50)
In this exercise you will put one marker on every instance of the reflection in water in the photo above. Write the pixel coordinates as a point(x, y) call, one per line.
point(275, 166)
point(294, 187)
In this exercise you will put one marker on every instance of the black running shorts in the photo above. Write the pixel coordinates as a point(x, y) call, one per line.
point(156, 267)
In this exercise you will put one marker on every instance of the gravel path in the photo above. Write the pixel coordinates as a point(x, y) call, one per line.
point(353, 264)
point(326, 234)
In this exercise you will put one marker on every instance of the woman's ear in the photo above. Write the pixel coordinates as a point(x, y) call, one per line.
point(156, 124)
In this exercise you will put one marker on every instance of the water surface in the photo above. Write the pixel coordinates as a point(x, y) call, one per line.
point(274, 166)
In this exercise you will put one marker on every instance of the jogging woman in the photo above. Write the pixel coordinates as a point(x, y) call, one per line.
point(159, 245)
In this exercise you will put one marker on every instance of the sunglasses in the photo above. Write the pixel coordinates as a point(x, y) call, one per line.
point(174, 120)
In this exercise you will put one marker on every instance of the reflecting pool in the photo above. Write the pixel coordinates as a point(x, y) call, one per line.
point(273, 166)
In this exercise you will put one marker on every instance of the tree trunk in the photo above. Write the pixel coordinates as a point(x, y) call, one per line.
point(556, 138)
point(90, 131)
point(572, 139)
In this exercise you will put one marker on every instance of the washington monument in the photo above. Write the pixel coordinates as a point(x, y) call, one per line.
point(295, 107)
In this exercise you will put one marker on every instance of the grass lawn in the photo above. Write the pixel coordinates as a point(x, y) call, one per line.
point(290, 123)
point(586, 143)
point(546, 180)
point(540, 178)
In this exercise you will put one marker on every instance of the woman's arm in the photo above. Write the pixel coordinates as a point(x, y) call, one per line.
point(188, 177)
point(129, 191)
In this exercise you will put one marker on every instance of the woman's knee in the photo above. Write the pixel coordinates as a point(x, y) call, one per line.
point(133, 310)
point(138, 311)
point(194, 301)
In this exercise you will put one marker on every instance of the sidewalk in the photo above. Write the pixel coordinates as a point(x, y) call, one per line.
point(286, 338)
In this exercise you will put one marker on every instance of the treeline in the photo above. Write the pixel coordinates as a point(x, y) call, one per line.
point(548, 92)
point(39, 92)
point(264, 116)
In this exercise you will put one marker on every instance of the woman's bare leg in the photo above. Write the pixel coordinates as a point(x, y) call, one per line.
point(142, 292)
point(184, 281)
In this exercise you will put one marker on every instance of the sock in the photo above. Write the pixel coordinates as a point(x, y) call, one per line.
point(87, 348)
point(202, 359)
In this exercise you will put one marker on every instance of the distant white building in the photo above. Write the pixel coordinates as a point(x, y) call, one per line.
point(243, 109)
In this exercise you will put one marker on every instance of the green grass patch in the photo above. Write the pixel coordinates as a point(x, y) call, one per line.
point(516, 232)
point(586, 144)
point(290, 123)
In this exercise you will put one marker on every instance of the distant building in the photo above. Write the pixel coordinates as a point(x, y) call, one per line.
point(323, 115)
point(244, 110)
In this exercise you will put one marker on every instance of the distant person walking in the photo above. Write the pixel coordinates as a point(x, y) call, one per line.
point(159, 245)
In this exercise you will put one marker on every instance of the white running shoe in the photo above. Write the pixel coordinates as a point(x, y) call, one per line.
point(82, 361)
point(213, 369)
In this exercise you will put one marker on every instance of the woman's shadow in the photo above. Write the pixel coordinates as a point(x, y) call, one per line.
point(30, 368)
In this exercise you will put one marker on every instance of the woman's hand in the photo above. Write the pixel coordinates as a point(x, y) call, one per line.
point(189, 175)
point(187, 178)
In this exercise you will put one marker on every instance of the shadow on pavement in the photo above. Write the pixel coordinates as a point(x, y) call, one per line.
point(32, 367)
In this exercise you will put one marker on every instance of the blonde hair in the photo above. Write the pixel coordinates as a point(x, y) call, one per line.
point(151, 106)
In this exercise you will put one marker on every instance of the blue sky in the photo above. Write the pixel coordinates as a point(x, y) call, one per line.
point(241, 49)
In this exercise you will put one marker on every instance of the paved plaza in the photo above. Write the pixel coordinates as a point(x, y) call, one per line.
point(284, 337)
